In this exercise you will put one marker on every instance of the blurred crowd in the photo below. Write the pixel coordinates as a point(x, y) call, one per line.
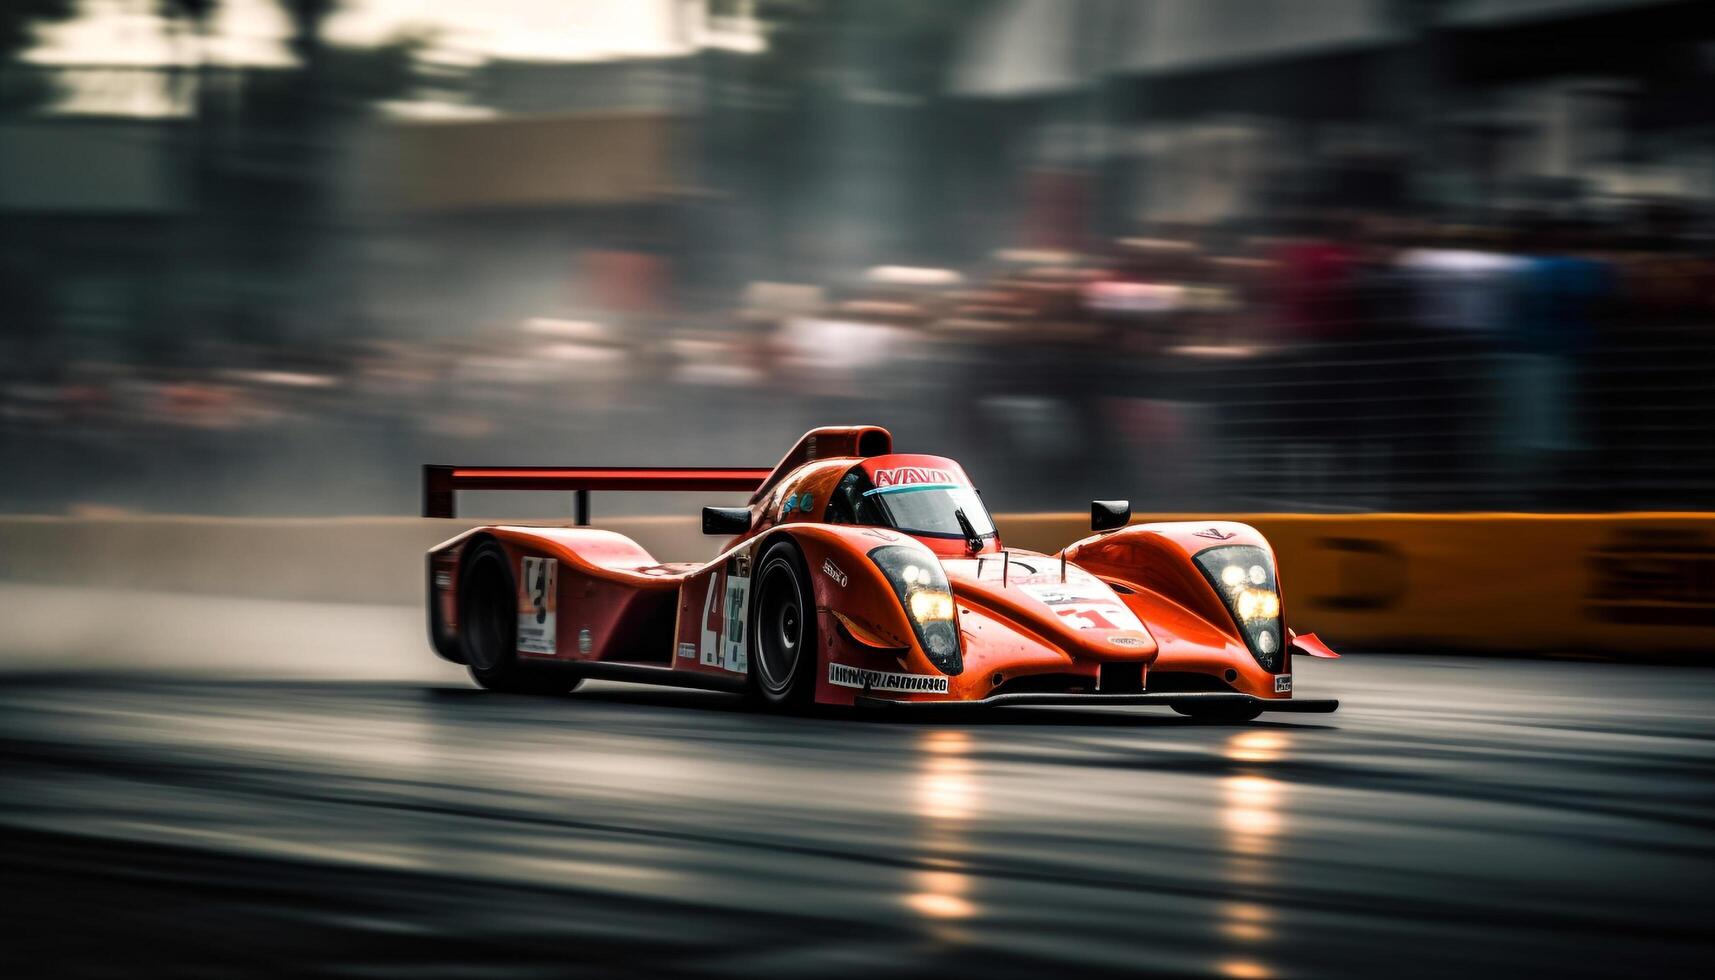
point(1349, 361)
point(270, 256)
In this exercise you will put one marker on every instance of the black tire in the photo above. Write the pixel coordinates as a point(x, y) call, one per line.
point(783, 652)
point(1218, 713)
point(488, 628)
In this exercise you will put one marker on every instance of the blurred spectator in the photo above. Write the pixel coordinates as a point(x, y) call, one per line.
point(1400, 256)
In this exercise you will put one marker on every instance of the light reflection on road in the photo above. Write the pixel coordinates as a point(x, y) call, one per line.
point(1251, 818)
point(944, 800)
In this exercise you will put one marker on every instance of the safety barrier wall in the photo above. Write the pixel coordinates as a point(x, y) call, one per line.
point(1619, 584)
point(1625, 584)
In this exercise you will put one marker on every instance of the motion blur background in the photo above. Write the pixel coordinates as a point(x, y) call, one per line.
point(268, 256)
point(1306, 263)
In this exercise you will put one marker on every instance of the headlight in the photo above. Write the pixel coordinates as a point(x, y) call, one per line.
point(921, 584)
point(1243, 576)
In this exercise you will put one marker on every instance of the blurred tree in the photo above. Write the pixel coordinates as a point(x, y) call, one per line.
point(197, 15)
point(360, 77)
point(307, 17)
point(24, 90)
point(197, 12)
point(19, 18)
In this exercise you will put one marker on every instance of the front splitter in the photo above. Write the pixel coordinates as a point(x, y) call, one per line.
point(1300, 705)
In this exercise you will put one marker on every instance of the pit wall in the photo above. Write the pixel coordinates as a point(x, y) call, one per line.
point(1615, 584)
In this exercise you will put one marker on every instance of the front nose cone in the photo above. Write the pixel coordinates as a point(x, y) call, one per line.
point(1136, 645)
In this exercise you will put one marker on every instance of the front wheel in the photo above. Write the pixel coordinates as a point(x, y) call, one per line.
point(783, 629)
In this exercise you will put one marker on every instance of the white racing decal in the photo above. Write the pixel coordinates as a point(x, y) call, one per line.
point(536, 613)
point(1084, 603)
point(1283, 683)
point(688, 650)
point(840, 675)
point(832, 571)
point(726, 605)
point(1128, 640)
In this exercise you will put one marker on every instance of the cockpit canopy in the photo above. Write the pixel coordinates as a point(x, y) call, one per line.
point(923, 496)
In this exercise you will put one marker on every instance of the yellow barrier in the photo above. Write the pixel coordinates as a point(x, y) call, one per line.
point(1623, 584)
point(1626, 584)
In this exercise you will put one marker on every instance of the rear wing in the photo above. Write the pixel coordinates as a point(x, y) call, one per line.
point(442, 483)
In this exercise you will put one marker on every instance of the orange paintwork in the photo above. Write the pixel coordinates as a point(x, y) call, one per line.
point(1132, 597)
point(1196, 633)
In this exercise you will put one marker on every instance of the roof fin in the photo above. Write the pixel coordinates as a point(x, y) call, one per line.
point(829, 442)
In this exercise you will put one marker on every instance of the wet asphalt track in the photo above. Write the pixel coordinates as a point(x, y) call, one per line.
point(1458, 815)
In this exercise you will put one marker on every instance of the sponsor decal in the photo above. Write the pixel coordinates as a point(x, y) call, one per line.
point(1057, 594)
point(1085, 604)
point(726, 604)
point(841, 675)
point(443, 580)
point(1283, 683)
point(914, 478)
point(832, 571)
point(1214, 534)
point(536, 613)
point(1128, 640)
point(800, 502)
point(688, 651)
point(584, 641)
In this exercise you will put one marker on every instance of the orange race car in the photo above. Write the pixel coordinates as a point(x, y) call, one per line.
point(861, 576)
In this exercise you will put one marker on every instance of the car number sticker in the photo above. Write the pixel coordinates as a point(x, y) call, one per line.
point(536, 610)
point(726, 608)
point(1084, 603)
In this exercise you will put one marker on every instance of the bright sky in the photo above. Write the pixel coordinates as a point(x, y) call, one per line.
point(131, 32)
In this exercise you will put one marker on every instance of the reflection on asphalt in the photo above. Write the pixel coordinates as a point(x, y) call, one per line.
point(1456, 815)
point(1251, 817)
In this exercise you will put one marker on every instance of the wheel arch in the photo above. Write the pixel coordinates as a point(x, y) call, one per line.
point(800, 688)
point(449, 559)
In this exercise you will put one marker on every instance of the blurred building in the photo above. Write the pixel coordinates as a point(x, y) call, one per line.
point(89, 230)
point(1213, 110)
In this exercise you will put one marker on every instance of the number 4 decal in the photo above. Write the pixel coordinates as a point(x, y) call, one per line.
point(710, 647)
point(726, 603)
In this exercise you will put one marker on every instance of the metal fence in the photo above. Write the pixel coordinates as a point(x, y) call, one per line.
point(1428, 420)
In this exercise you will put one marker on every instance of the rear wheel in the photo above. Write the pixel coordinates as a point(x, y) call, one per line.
point(783, 629)
point(1221, 713)
point(488, 628)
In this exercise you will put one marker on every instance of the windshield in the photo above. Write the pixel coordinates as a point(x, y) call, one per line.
point(926, 509)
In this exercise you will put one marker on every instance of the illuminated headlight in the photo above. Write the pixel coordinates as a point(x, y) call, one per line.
point(928, 607)
point(1243, 576)
point(921, 585)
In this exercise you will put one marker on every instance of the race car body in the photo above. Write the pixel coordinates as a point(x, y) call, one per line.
point(860, 576)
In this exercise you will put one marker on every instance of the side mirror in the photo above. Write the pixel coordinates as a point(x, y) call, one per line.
point(1105, 515)
point(726, 520)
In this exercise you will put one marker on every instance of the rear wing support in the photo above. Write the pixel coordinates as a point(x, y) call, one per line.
point(442, 483)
